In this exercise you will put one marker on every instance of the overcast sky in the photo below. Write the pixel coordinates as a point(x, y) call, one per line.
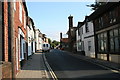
point(52, 17)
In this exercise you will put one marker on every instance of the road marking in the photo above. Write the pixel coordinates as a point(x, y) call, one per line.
point(49, 68)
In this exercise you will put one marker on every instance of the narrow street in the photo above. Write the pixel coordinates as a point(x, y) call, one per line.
point(59, 40)
point(66, 66)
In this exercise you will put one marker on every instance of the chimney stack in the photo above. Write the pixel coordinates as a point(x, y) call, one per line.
point(70, 21)
point(61, 35)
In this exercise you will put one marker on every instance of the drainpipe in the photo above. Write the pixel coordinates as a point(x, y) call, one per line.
point(12, 35)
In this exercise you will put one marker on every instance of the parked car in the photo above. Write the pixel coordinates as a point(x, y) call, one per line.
point(46, 47)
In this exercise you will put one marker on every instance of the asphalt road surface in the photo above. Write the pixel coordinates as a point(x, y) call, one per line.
point(68, 67)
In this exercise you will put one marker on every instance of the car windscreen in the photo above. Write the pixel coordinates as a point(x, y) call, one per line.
point(46, 45)
point(43, 45)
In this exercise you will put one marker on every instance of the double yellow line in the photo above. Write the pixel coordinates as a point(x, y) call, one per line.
point(54, 77)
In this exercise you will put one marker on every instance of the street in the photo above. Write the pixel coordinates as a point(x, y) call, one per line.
point(66, 66)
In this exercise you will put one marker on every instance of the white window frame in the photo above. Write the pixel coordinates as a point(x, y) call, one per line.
point(14, 4)
point(89, 45)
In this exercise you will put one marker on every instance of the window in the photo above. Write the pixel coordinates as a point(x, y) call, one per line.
point(102, 42)
point(24, 47)
point(79, 45)
point(46, 45)
point(20, 12)
point(112, 16)
point(89, 45)
point(87, 27)
point(100, 22)
point(114, 40)
point(43, 45)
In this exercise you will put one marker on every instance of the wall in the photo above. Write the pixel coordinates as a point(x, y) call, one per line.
point(89, 37)
point(5, 31)
point(7, 70)
point(115, 58)
point(20, 29)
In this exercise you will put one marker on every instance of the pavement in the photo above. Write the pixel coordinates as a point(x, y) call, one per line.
point(107, 64)
point(34, 68)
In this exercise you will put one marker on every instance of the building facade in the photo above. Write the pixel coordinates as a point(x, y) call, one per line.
point(88, 37)
point(107, 31)
point(79, 38)
point(30, 36)
point(39, 40)
point(71, 35)
point(14, 37)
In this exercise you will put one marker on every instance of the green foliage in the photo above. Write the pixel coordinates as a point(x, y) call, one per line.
point(53, 43)
point(96, 5)
point(49, 40)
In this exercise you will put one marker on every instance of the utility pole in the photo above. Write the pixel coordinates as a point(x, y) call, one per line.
point(12, 35)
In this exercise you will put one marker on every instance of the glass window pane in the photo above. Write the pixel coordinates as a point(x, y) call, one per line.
point(111, 44)
point(102, 46)
point(105, 45)
point(89, 45)
point(101, 36)
point(105, 35)
point(111, 33)
point(115, 32)
point(116, 44)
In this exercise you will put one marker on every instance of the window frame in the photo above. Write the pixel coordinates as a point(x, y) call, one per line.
point(114, 38)
point(102, 46)
point(89, 45)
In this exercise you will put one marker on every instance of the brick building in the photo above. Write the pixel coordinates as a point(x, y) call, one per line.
point(71, 35)
point(14, 36)
point(64, 43)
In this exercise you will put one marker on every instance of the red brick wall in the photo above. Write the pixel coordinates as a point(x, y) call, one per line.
point(5, 31)
point(7, 73)
point(21, 25)
point(7, 70)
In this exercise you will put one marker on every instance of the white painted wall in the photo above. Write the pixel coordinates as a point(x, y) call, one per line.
point(86, 40)
point(79, 39)
point(39, 40)
point(31, 39)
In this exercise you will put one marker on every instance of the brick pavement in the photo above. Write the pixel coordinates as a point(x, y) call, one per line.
point(34, 68)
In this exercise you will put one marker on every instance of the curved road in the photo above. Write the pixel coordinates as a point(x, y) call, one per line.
point(69, 67)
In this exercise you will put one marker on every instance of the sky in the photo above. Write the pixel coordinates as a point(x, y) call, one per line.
point(52, 17)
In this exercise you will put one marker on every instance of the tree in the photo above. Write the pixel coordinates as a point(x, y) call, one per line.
point(49, 41)
point(55, 43)
point(96, 5)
